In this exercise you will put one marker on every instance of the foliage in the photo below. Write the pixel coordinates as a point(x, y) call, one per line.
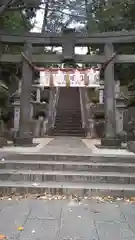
point(11, 21)
point(114, 16)
point(14, 21)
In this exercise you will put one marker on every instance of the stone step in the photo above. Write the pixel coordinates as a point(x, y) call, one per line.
point(68, 166)
point(69, 109)
point(67, 176)
point(73, 157)
point(68, 130)
point(79, 189)
point(72, 119)
point(68, 125)
point(57, 134)
point(69, 113)
point(65, 122)
point(66, 134)
point(72, 109)
point(69, 117)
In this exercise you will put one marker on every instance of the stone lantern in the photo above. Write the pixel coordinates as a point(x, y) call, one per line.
point(16, 105)
point(121, 104)
point(101, 92)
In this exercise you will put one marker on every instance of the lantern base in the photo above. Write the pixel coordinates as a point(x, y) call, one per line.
point(3, 142)
point(23, 141)
point(110, 143)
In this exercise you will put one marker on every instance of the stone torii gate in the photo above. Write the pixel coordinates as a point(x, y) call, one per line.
point(68, 40)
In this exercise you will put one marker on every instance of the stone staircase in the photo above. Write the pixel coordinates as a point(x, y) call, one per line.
point(68, 117)
point(68, 174)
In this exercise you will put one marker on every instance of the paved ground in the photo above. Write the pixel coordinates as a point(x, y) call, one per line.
point(65, 145)
point(67, 220)
point(91, 144)
point(70, 145)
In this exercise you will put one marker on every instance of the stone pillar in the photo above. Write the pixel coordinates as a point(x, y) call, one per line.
point(117, 89)
point(3, 140)
point(101, 92)
point(25, 137)
point(119, 120)
point(68, 45)
point(16, 115)
point(19, 86)
point(101, 96)
point(50, 110)
point(121, 105)
point(81, 105)
point(109, 102)
point(91, 123)
point(38, 94)
point(16, 106)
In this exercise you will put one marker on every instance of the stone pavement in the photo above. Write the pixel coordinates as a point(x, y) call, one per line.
point(41, 142)
point(67, 220)
point(65, 145)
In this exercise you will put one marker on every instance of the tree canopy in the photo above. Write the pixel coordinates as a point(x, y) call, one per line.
point(18, 22)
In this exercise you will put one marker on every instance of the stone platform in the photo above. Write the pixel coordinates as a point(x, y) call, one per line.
point(67, 219)
point(67, 165)
point(65, 145)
